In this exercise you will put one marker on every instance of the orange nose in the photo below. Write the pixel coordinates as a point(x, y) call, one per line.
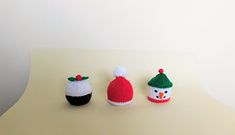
point(161, 94)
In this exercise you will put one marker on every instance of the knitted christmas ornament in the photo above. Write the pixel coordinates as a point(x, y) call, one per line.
point(159, 88)
point(78, 91)
point(120, 91)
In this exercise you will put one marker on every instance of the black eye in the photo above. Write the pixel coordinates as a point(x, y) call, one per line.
point(165, 91)
point(164, 97)
point(157, 96)
point(156, 91)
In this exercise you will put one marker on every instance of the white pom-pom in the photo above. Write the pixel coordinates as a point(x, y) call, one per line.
point(119, 71)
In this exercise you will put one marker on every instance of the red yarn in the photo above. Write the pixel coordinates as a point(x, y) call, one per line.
point(120, 90)
point(78, 77)
point(158, 101)
point(160, 70)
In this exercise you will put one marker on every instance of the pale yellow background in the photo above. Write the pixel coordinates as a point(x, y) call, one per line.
point(203, 27)
point(43, 109)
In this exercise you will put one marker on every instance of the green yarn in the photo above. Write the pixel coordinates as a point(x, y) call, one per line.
point(160, 81)
point(85, 77)
point(74, 79)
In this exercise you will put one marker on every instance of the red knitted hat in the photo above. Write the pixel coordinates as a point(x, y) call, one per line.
point(120, 91)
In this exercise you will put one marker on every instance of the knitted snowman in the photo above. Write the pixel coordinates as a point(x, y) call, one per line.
point(120, 91)
point(78, 91)
point(159, 88)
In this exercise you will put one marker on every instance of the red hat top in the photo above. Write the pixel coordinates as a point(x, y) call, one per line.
point(120, 89)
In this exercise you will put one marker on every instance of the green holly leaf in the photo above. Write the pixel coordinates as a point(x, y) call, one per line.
point(85, 77)
point(72, 79)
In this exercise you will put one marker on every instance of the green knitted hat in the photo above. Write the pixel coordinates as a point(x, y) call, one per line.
point(160, 80)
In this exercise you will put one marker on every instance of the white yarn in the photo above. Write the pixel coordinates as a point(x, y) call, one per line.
point(78, 88)
point(119, 71)
point(152, 94)
point(119, 103)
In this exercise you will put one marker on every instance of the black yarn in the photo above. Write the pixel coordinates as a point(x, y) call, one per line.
point(82, 100)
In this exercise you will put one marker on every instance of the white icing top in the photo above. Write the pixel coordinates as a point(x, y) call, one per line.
point(78, 88)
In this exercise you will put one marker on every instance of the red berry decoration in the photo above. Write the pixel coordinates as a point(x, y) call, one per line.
point(160, 70)
point(78, 77)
